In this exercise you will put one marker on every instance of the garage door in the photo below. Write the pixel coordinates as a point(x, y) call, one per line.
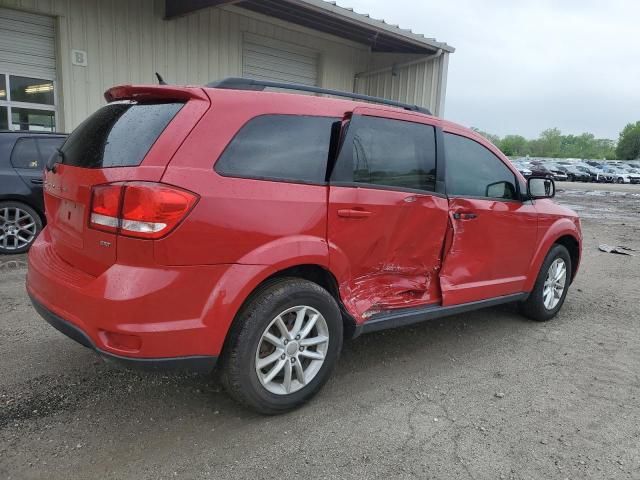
point(268, 59)
point(27, 71)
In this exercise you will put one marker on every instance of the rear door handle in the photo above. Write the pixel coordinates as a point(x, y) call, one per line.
point(464, 216)
point(37, 181)
point(354, 213)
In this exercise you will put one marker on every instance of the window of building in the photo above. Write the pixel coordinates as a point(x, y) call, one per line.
point(474, 171)
point(27, 103)
point(280, 147)
point(392, 153)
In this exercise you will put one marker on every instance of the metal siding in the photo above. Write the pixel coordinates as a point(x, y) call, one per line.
point(127, 41)
point(27, 44)
point(266, 59)
point(417, 84)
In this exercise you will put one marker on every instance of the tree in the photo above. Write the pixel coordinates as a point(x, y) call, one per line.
point(514, 146)
point(495, 139)
point(629, 143)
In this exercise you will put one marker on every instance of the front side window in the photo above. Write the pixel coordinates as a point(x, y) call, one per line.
point(474, 171)
point(280, 147)
point(391, 153)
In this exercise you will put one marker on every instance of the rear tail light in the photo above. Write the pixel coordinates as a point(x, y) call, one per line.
point(139, 209)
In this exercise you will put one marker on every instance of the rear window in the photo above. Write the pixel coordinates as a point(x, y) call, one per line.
point(118, 135)
point(280, 147)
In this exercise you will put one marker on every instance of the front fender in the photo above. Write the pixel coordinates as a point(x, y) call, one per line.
point(557, 229)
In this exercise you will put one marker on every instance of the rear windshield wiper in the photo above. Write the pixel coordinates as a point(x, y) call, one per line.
point(51, 164)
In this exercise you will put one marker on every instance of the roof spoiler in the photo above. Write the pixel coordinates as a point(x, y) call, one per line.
point(145, 93)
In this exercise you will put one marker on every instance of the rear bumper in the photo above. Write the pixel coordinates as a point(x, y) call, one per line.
point(204, 364)
point(148, 314)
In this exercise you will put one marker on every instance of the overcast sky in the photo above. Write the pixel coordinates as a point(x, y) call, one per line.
point(522, 66)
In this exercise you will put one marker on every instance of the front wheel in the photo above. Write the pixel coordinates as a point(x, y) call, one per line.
point(551, 287)
point(19, 226)
point(283, 346)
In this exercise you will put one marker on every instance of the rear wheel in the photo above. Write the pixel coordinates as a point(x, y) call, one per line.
point(551, 287)
point(283, 347)
point(19, 226)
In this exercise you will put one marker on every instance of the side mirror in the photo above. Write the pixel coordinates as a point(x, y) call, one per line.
point(541, 187)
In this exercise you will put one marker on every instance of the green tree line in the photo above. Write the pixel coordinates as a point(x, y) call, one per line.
point(552, 143)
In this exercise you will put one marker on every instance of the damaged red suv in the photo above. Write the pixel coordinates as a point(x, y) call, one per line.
point(256, 230)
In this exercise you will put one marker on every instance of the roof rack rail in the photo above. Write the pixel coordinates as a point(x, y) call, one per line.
point(234, 83)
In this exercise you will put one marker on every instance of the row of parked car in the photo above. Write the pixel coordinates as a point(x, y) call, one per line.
point(578, 171)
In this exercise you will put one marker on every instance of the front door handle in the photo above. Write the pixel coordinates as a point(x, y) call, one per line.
point(37, 181)
point(464, 216)
point(354, 213)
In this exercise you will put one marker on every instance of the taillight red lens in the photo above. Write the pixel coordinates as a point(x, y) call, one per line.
point(105, 207)
point(142, 210)
point(152, 210)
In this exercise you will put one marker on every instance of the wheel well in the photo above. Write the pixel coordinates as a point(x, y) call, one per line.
point(571, 244)
point(312, 273)
point(324, 278)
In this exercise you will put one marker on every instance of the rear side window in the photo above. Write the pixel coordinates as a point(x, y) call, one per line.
point(118, 135)
point(25, 154)
point(280, 147)
point(33, 152)
point(385, 152)
point(474, 171)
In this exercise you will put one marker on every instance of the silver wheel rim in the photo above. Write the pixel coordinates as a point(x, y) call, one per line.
point(292, 350)
point(555, 284)
point(17, 228)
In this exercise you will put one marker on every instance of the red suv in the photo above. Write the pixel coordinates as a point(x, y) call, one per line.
point(257, 230)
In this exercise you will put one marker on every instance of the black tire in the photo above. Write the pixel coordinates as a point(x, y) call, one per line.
point(534, 307)
point(7, 239)
point(238, 367)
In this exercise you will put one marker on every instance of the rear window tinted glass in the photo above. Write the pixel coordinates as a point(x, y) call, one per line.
point(25, 154)
point(118, 135)
point(280, 147)
point(34, 152)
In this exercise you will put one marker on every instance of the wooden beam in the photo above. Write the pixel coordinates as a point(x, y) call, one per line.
point(178, 8)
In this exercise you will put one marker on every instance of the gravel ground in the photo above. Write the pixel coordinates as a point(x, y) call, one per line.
point(481, 395)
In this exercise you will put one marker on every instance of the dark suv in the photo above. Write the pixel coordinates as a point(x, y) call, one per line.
point(22, 159)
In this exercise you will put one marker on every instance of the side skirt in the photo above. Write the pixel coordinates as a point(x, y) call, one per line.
point(403, 318)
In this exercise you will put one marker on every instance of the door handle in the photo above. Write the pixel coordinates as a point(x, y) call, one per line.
point(37, 181)
point(464, 216)
point(354, 213)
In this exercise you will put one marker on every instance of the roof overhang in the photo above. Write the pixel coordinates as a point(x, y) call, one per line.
point(327, 18)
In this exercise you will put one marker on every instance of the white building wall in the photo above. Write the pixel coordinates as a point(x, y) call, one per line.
point(422, 84)
point(127, 41)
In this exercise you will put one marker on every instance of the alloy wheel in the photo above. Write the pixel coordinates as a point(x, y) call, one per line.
point(555, 284)
point(292, 350)
point(18, 228)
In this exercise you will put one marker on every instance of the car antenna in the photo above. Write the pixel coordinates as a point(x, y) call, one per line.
point(160, 79)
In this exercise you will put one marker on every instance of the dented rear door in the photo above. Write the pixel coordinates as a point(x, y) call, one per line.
point(386, 223)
